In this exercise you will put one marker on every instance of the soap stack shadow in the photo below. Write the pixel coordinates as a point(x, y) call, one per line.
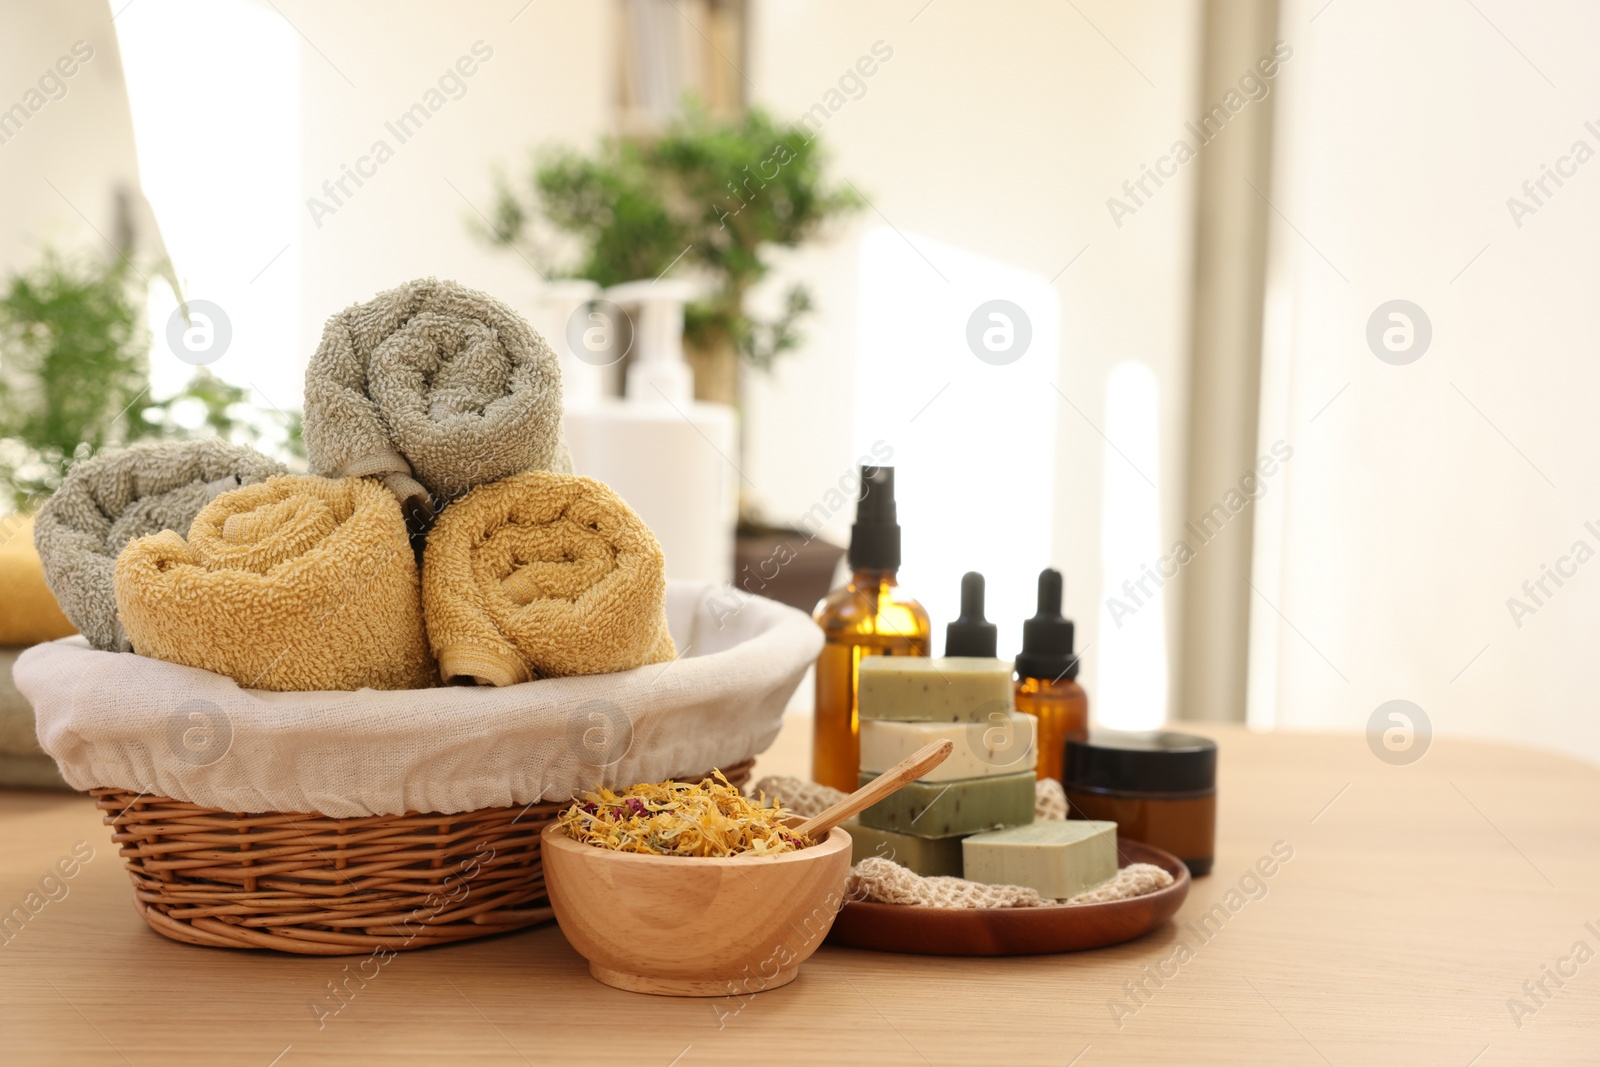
point(316, 885)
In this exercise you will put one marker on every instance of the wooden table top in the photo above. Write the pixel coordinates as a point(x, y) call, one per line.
point(1421, 909)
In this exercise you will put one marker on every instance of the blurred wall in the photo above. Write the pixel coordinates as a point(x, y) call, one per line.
point(1431, 481)
point(67, 149)
point(540, 72)
point(1002, 129)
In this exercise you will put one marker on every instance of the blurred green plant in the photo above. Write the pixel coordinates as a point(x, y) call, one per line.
point(714, 193)
point(75, 377)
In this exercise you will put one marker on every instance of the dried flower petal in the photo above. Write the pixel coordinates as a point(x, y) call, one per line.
point(706, 818)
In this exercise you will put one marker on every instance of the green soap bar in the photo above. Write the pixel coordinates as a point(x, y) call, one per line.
point(1060, 858)
point(947, 809)
point(925, 855)
point(918, 689)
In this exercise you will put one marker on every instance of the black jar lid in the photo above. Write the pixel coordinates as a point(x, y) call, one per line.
point(1157, 762)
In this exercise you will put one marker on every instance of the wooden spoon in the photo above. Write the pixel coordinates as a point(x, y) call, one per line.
point(907, 770)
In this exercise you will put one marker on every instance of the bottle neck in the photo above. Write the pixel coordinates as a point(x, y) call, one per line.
point(874, 577)
point(1055, 686)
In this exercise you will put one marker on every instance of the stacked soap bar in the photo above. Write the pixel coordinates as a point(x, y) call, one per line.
point(972, 816)
point(986, 783)
point(1059, 858)
point(950, 809)
point(925, 855)
point(1004, 743)
point(919, 689)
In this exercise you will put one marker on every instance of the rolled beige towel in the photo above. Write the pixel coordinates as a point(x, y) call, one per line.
point(299, 583)
point(435, 388)
point(542, 575)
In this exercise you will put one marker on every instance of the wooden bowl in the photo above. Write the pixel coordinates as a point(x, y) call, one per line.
point(687, 927)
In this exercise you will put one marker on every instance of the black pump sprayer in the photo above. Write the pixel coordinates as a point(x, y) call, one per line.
point(970, 634)
point(870, 615)
point(875, 537)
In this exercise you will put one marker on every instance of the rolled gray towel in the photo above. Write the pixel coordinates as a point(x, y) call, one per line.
point(435, 388)
point(110, 499)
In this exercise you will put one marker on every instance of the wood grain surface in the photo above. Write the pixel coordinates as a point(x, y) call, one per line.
point(1416, 903)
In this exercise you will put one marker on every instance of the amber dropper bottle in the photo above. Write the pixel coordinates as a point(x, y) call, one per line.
point(1046, 685)
point(870, 615)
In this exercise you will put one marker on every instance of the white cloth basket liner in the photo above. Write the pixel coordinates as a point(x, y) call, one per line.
point(126, 721)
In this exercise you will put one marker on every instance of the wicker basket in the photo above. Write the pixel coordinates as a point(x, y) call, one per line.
point(331, 887)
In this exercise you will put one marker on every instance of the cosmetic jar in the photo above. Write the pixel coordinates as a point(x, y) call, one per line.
point(1159, 788)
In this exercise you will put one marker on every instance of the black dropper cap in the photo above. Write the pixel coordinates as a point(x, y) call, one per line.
point(1047, 637)
point(970, 634)
point(875, 537)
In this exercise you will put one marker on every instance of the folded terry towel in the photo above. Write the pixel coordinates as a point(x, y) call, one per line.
point(297, 583)
point(109, 499)
point(29, 614)
point(437, 384)
point(543, 575)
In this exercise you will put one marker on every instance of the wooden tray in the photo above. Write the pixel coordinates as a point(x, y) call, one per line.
point(1015, 931)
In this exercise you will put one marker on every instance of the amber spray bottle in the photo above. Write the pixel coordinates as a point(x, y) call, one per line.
point(870, 615)
point(1046, 685)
